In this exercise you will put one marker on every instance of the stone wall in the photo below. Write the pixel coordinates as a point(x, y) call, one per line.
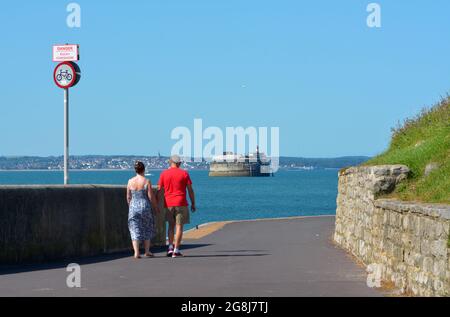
point(46, 223)
point(400, 242)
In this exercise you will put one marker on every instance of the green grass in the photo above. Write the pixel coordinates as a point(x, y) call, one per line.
point(416, 143)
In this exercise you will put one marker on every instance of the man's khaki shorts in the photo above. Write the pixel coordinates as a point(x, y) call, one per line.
point(179, 215)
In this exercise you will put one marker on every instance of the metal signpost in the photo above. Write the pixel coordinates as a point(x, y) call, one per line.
point(66, 74)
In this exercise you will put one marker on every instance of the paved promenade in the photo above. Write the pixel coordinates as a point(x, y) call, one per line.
point(261, 258)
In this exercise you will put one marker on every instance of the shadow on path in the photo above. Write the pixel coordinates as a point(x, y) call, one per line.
point(22, 268)
point(225, 255)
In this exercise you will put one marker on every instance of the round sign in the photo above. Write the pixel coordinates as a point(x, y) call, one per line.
point(66, 75)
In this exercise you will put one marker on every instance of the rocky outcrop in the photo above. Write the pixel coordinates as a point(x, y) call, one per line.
point(404, 243)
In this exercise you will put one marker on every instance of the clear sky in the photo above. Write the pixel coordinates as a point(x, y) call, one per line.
point(313, 68)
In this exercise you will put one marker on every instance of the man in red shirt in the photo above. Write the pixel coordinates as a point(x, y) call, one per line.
point(174, 181)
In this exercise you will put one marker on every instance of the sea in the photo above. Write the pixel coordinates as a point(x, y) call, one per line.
point(290, 193)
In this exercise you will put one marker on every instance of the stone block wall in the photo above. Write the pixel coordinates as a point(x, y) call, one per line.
point(404, 243)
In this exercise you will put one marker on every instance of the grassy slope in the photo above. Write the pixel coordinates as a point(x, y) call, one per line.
point(419, 141)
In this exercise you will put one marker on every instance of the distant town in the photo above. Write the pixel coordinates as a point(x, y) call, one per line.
point(98, 162)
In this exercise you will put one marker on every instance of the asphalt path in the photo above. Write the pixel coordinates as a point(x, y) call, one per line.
point(292, 257)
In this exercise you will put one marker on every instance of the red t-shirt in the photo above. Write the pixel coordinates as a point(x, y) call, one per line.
point(174, 181)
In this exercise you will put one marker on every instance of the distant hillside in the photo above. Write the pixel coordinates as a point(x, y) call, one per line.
point(423, 143)
point(85, 162)
point(339, 162)
point(88, 162)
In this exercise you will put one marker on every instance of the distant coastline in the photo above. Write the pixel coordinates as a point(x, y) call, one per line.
point(126, 163)
point(74, 170)
point(289, 169)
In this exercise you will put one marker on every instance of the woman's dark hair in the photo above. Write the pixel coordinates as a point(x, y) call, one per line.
point(139, 167)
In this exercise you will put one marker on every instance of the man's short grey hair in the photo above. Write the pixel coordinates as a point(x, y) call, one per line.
point(175, 159)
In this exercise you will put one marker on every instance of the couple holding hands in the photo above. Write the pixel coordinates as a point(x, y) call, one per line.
point(142, 202)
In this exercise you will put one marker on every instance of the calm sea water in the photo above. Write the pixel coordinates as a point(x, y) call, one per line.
point(289, 193)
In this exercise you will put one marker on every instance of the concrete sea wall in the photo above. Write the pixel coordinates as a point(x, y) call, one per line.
point(403, 243)
point(46, 223)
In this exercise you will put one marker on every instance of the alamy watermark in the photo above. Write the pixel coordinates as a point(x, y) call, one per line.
point(374, 17)
point(234, 140)
point(74, 278)
point(73, 20)
point(373, 20)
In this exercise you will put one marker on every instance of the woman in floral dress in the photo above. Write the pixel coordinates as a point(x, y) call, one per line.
point(142, 203)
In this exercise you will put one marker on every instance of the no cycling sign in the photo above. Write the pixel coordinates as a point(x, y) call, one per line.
point(66, 74)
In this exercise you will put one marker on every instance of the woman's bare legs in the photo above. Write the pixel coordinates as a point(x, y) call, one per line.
point(147, 245)
point(137, 254)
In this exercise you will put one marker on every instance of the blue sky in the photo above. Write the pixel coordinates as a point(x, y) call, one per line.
point(313, 68)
